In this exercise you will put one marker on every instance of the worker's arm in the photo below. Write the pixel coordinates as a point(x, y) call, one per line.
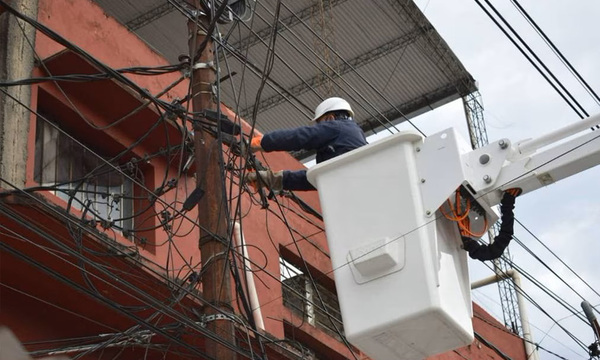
point(303, 138)
point(496, 248)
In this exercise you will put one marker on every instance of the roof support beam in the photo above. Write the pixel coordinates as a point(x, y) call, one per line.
point(344, 68)
point(289, 21)
point(149, 16)
point(434, 46)
point(417, 106)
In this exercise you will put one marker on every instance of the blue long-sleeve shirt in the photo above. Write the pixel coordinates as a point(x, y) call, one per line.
point(328, 138)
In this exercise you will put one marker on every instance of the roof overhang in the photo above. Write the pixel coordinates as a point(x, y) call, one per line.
point(384, 57)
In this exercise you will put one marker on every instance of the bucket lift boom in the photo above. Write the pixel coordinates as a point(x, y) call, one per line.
point(394, 250)
point(487, 171)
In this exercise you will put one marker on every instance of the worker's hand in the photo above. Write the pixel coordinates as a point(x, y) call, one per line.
point(508, 199)
point(469, 244)
point(255, 143)
point(271, 179)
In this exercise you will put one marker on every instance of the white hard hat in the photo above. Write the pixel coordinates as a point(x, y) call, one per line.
point(332, 104)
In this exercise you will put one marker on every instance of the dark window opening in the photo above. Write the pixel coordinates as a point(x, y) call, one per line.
point(104, 191)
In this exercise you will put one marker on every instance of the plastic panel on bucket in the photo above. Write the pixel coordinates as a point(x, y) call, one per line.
point(401, 276)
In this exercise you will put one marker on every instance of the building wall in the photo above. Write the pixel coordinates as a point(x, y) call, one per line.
point(281, 230)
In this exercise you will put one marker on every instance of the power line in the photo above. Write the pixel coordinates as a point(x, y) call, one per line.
point(558, 258)
point(82, 259)
point(563, 92)
point(558, 53)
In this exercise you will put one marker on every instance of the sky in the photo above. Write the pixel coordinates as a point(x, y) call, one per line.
point(519, 104)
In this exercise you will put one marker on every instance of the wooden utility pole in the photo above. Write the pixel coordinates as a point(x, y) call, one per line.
point(216, 288)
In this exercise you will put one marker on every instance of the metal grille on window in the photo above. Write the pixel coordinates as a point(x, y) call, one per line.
point(300, 295)
point(98, 187)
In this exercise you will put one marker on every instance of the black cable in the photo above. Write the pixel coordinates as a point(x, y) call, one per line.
point(354, 70)
point(142, 186)
point(537, 305)
point(89, 77)
point(78, 287)
point(112, 246)
point(138, 292)
point(558, 53)
point(538, 346)
point(491, 346)
point(535, 256)
point(329, 77)
point(54, 306)
point(557, 257)
point(62, 41)
point(545, 76)
point(314, 284)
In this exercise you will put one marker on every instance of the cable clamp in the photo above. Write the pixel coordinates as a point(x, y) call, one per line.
point(208, 318)
point(208, 65)
point(198, 13)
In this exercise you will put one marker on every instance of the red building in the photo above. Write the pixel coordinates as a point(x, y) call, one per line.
point(98, 258)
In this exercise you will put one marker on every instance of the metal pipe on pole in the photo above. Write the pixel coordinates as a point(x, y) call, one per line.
point(252, 293)
point(212, 207)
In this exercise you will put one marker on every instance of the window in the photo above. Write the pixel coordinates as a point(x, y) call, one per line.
point(98, 188)
point(303, 297)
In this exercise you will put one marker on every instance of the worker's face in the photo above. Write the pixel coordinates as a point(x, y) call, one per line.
point(325, 117)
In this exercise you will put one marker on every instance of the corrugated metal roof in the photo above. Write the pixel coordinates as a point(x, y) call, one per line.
point(382, 55)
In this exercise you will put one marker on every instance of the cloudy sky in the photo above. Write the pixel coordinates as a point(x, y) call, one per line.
point(519, 104)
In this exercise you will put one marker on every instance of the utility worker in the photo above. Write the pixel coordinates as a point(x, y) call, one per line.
point(495, 249)
point(334, 134)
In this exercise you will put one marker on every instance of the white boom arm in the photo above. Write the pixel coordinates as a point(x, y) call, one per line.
point(532, 165)
point(445, 162)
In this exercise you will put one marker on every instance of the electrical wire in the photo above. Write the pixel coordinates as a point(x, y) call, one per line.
point(563, 92)
point(165, 69)
point(62, 41)
point(537, 305)
point(137, 291)
point(557, 257)
point(556, 51)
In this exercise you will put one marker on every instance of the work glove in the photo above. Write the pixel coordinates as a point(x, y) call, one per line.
point(271, 179)
point(255, 143)
point(469, 244)
point(508, 199)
